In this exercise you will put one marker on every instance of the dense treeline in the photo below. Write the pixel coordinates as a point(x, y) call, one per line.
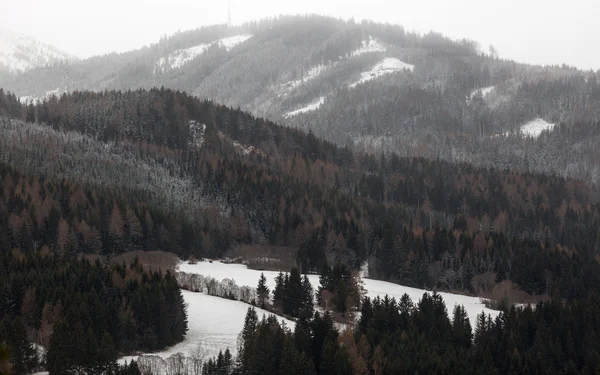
point(84, 315)
point(293, 294)
point(162, 170)
point(396, 337)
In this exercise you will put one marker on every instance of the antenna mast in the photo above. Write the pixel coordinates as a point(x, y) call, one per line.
point(229, 13)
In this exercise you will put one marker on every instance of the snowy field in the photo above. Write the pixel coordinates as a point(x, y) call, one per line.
point(311, 107)
point(247, 277)
point(484, 91)
point(179, 58)
point(213, 325)
point(388, 65)
point(369, 46)
point(536, 127)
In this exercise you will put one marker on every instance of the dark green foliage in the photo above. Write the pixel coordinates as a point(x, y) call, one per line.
point(99, 312)
point(340, 289)
point(262, 291)
point(293, 294)
point(23, 357)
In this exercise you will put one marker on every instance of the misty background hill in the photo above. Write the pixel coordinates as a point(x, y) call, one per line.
point(375, 87)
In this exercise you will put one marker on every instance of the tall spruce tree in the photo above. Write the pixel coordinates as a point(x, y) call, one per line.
point(262, 291)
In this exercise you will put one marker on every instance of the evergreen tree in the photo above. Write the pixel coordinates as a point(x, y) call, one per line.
point(279, 291)
point(461, 327)
point(306, 300)
point(262, 291)
point(23, 356)
point(246, 356)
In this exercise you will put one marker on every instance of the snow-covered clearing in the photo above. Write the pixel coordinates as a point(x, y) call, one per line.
point(233, 41)
point(388, 65)
point(311, 107)
point(34, 99)
point(313, 73)
point(213, 325)
point(536, 127)
point(197, 131)
point(247, 277)
point(369, 46)
point(179, 58)
point(484, 91)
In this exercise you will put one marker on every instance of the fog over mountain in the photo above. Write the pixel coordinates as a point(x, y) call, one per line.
point(370, 86)
point(393, 200)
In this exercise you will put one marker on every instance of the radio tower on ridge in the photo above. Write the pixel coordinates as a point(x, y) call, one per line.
point(229, 13)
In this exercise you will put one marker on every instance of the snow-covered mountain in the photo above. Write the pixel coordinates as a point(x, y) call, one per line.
point(20, 53)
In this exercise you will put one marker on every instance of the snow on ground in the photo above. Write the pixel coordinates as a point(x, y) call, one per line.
point(197, 131)
point(313, 73)
point(536, 127)
point(179, 58)
point(20, 53)
point(386, 66)
point(311, 107)
point(484, 91)
point(229, 43)
point(35, 99)
point(247, 277)
point(213, 325)
point(369, 46)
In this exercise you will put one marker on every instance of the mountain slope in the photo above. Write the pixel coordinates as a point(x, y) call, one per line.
point(20, 53)
point(368, 86)
point(111, 172)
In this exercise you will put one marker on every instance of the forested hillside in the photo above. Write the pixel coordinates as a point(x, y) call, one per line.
point(106, 173)
point(396, 337)
point(82, 315)
point(368, 86)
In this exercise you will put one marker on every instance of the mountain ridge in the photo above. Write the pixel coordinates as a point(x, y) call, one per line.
point(20, 53)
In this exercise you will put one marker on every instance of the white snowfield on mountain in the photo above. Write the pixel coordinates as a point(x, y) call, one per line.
point(484, 91)
point(20, 53)
point(311, 107)
point(536, 127)
point(386, 66)
point(371, 45)
point(179, 58)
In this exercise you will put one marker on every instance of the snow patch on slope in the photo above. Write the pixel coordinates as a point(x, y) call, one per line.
point(536, 127)
point(247, 277)
point(369, 46)
point(36, 99)
point(20, 53)
point(213, 325)
point(311, 107)
point(313, 73)
point(231, 42)
point(388, 65)
point(179, 58)
point(484, 91)
point(196, 135)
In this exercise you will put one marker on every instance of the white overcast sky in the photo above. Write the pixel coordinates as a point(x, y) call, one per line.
point(532, 31)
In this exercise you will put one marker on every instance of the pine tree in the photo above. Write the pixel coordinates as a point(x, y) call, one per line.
point(23, 356)
point(306, 302)
point(246, 355)
point(279, 291)
point(262, 291)
point(107, 353)
point(461, 328)
point(293, 298)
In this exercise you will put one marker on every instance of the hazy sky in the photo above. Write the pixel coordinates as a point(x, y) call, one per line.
point(533, 31)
